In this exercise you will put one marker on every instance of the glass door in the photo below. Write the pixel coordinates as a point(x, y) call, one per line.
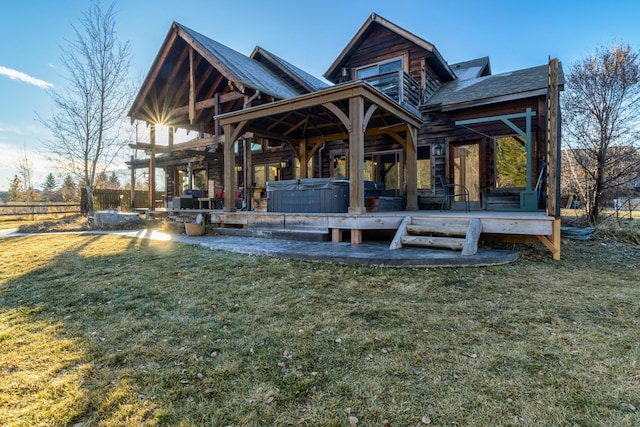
point(465, 165)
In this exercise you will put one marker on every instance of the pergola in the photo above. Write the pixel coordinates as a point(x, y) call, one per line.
point(350, 112)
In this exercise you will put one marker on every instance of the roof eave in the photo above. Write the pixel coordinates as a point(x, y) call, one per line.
point(153, 71)
point(258, 50)
point(492, 100)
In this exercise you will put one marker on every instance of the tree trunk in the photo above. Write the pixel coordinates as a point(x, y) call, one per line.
point(89, 199)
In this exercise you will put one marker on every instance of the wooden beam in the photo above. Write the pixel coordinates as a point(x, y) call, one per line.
point(192, 88)
point(302, 122)
point(367, 116)
point(150, 147)
point(339, 114)
point(398, 138)
point(402, 231)
point(208, 103)
point(153, 74)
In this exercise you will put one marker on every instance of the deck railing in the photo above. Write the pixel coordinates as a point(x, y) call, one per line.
point(399, 86)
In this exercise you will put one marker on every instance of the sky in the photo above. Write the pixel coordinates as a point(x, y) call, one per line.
point(309, 34)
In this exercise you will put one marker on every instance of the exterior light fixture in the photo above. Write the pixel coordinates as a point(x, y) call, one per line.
point(438, 150)
point(284, 164)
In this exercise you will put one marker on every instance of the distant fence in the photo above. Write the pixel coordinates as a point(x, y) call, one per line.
point(33, 210)
point(120, 200)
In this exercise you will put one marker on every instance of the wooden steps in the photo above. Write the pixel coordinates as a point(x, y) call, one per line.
point(449, 233)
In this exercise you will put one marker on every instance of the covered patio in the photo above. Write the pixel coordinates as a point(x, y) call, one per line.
point(350, 112)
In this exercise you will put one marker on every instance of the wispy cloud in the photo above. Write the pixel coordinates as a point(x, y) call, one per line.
point(19, 75)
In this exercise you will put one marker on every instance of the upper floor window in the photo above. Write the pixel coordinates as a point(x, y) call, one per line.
point(382, 67)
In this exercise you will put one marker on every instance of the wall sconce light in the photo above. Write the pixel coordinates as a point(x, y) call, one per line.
point(438, 149)
point(345, 74)
point(284, 164)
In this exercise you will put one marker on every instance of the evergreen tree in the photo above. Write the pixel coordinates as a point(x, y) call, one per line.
point(49, 186)
point(14, 190)
point(114, 182)
point(69, 190)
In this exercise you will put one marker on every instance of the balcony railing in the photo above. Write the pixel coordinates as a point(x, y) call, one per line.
point(398, 86)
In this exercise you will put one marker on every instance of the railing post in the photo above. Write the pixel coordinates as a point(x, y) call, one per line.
point(400, 86)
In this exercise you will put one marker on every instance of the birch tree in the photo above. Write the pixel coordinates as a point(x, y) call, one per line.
point(89, 115)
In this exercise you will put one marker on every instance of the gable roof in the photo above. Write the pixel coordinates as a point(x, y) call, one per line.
point(472, 69)
point(307, 81)
point(236, 66)
point(488, 89)
point(437, 62)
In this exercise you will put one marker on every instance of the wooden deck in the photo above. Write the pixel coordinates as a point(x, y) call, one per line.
point(508, 226)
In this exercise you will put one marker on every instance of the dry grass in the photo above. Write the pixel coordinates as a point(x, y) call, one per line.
point(109, 331)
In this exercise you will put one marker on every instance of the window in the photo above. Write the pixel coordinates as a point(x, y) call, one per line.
point(385, 167)
point(309, 168)
point(339, 165)
point(259, 176)
point(511, 162)
point(424, 167)
point(265, 173)
point(394, 64)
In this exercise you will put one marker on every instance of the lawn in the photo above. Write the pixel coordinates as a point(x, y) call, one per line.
point(111, 331)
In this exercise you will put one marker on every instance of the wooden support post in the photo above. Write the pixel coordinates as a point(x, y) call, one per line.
point(356, 236)
point(304, 159)
point(229, 204)
point(412, 168)
point(336, 235)
point(152, 168)
point(247, 173)
point(217, 110)
point(555, 238)
point(552, 141)
point(356, 158)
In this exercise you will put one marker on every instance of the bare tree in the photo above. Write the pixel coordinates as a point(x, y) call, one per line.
point(25, 171)
point(601, 122)
point(89, 116)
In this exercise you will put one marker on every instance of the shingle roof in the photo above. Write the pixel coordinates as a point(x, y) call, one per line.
point(312, 82)
point(483, 88)
point(246, 70)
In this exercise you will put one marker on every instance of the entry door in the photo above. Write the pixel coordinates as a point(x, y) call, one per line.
point(465, 165)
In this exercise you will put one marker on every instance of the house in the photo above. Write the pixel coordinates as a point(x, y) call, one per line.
point(396, 114)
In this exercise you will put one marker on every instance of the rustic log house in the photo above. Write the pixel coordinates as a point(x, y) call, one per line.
point(398, 126)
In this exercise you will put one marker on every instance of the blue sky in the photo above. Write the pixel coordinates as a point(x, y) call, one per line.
point(310, 34)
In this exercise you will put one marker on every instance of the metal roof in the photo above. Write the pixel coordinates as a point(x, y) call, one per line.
point(312, 82)
point(245, 70)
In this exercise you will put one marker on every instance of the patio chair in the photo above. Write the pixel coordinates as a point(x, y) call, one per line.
point(451, 191)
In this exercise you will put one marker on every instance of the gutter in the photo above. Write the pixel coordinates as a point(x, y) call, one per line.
point(252, 98)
